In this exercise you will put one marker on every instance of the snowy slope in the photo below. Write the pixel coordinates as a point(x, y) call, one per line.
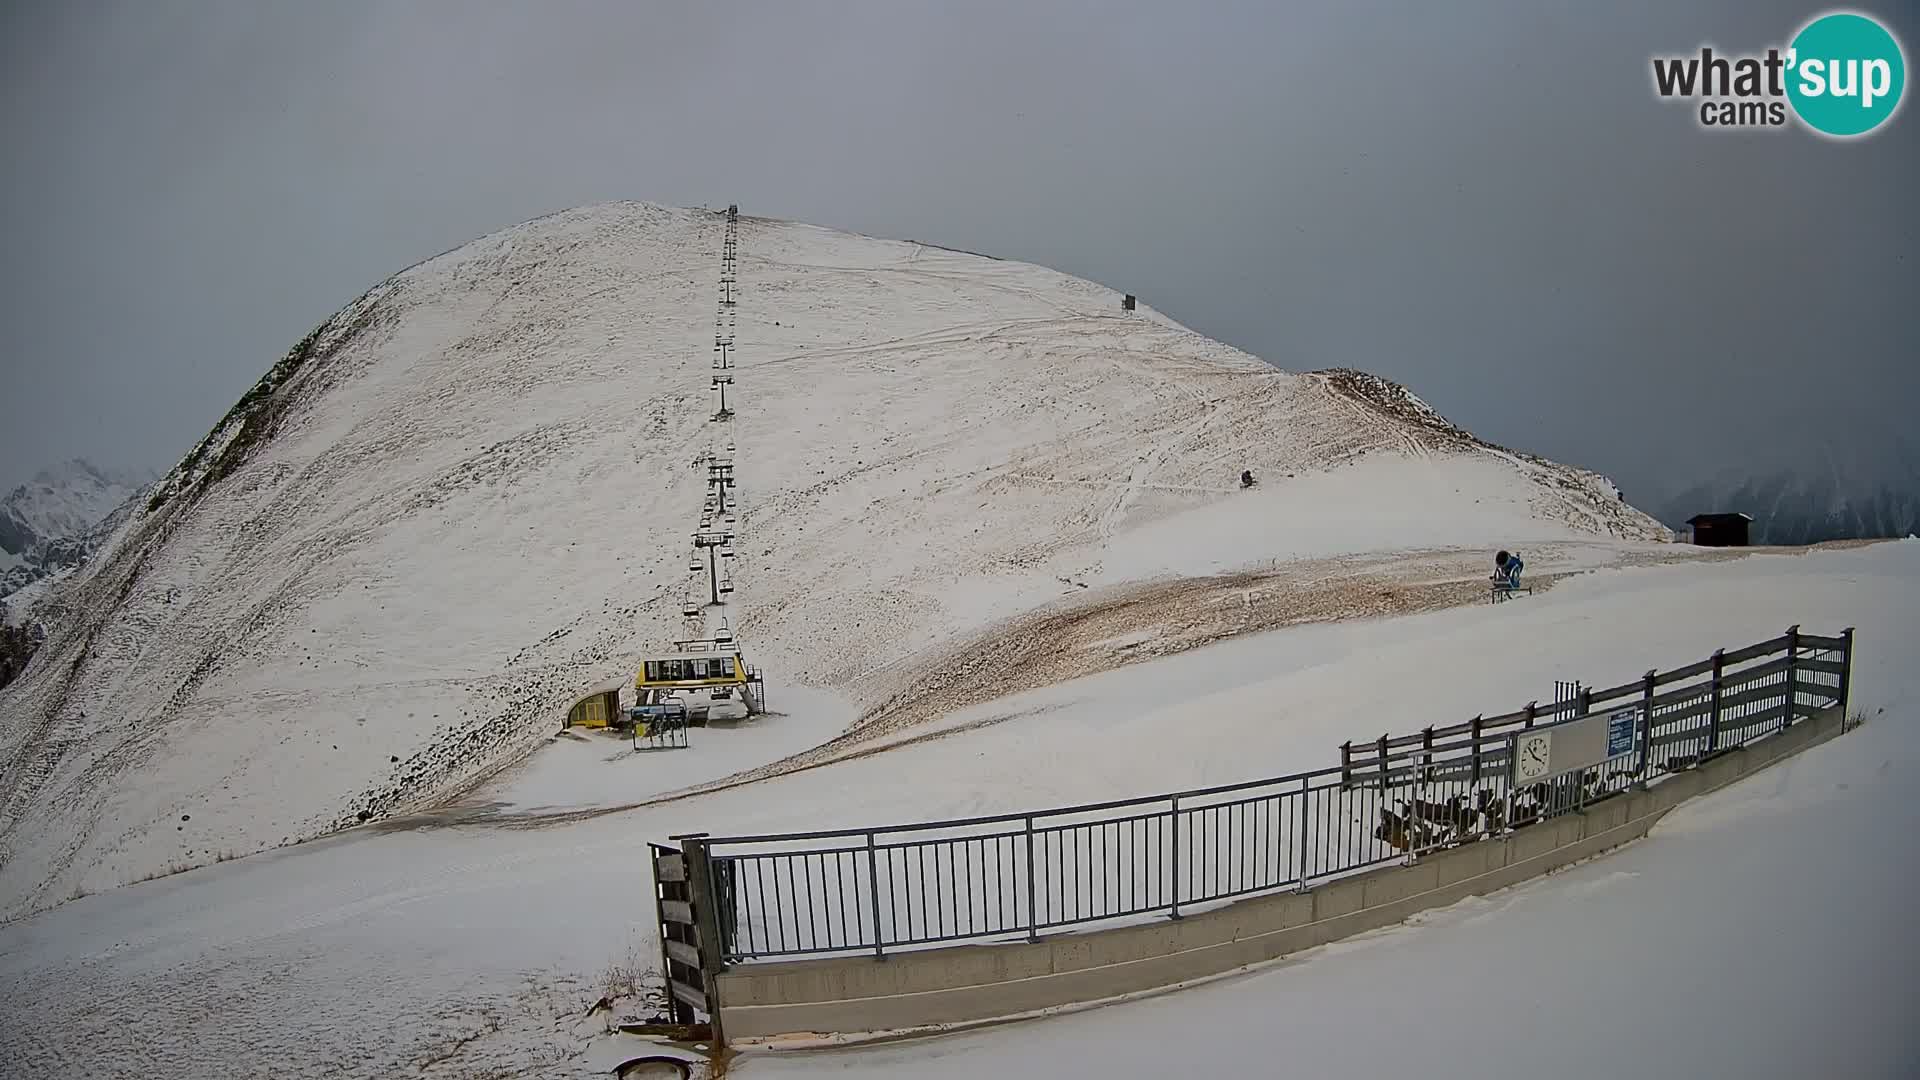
point(475, 951)
point(464, 500)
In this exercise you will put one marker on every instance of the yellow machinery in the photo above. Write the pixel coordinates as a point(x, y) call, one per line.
point(709, 677)
point(597, 710)
point(690, 670)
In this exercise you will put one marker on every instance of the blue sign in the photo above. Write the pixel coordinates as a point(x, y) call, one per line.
point(1620, 725)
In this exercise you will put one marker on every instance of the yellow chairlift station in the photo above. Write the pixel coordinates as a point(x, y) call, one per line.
point(698, 664)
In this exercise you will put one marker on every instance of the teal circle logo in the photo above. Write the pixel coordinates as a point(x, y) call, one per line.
point(1845, 74)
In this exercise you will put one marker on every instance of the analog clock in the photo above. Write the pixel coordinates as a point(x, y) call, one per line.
point(1532, 756)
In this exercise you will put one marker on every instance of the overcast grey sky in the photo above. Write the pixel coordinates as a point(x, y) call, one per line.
point(1482, 200)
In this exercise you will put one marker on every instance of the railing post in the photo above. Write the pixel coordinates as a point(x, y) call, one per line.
point(1646, 728)
point(1476, 749)
point(706, 921)
point(1346, 764)
point(873, 887)
point(1383, 763)
point(1033, 913)
point(1513, 758)
point(1793, 675)
point(1173, 865)
point(1584, 707)
point(1513, 779)
point(1419, 784)
point(1846, 673)
point(1713, 718)
point(1426, 748)
point(1306, 803)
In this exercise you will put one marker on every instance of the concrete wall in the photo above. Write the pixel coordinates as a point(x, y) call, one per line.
point(974, 983)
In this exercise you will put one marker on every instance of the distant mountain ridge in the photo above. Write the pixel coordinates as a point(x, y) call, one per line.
point(1790, 507)
point(54, 521)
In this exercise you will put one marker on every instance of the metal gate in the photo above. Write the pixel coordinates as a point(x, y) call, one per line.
point(1569, 790)
point(656, 730)
point(690, 945)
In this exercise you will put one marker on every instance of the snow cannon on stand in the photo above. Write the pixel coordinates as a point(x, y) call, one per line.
point(1506, 578)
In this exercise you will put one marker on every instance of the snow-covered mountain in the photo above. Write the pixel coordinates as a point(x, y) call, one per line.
point(465, 499)
point(52, 522)
point(1792, 506)
point(65, 500)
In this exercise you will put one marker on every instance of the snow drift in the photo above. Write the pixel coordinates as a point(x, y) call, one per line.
point(465, 498)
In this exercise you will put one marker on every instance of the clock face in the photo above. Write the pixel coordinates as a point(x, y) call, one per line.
point(1532, 756)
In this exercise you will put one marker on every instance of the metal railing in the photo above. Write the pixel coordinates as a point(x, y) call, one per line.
point(1011, 875)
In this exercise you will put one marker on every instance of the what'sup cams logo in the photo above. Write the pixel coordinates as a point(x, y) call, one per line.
point(1842, 75)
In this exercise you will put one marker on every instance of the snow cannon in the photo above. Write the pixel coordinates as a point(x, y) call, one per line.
point(1506, 578)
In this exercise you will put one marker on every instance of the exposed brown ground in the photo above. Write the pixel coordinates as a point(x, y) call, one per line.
point(1099, 631)
point(1112, 628)
point(1106, 629)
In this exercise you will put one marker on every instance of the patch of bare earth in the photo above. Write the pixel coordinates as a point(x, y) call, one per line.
point(1111, 628)
point(1129, 624)
point(1106, 629)
point(1144, 622)
point(1097, 631)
